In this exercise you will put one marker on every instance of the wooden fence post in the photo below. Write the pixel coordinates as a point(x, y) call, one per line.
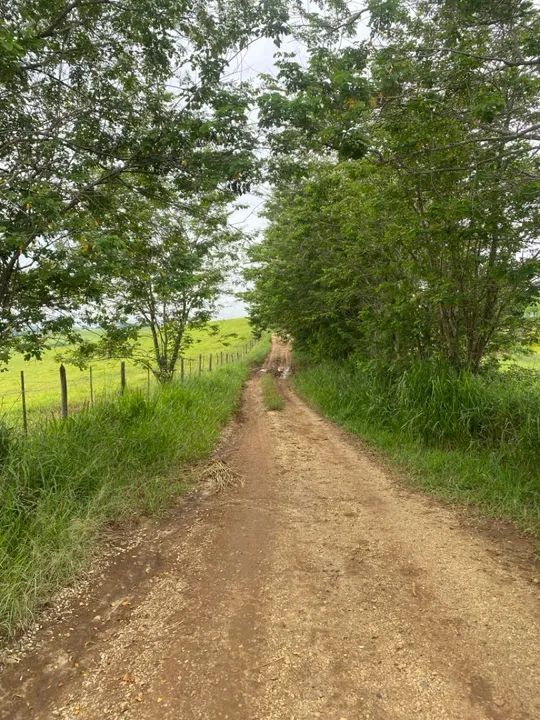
point(221, 358)
point(182, 369)
point(23, 396)
point(122, 377)
point(91, 387)
point(210, 362)
point(64, 391)
point(148, 382)
point(200, 364)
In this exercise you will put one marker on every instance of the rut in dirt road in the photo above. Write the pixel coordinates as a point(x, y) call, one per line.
point(318, 588)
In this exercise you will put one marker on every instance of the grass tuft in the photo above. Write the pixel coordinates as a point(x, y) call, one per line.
point(272, 397)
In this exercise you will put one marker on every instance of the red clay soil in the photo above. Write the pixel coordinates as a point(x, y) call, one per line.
point(313, 586)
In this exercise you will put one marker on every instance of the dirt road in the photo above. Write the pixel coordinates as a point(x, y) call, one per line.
point(318, 588)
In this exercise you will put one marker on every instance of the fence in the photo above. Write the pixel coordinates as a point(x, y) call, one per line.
point(76, 390)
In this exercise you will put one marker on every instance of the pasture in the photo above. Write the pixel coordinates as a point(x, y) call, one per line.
point(42, 384)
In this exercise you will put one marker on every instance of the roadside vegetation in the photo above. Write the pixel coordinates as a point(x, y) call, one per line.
point(61, 485)
point(272, 398)
point(464, 437)
point(42, 377)
point(402, 248)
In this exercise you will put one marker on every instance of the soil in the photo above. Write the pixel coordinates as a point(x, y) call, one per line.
point(312, 585)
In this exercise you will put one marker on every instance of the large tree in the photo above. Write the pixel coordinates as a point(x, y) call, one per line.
point(100, 97)
point(440, 109)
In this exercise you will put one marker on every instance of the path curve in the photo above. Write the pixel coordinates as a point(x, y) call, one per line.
point(318, 588)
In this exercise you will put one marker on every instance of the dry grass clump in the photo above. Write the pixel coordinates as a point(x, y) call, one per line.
point(218, 476)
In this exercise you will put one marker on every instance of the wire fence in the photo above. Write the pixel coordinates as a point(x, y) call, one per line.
point(75, 390)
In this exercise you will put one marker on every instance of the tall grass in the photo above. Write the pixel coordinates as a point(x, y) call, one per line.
point(272, 398)
point(473, 438)
point(60, 486)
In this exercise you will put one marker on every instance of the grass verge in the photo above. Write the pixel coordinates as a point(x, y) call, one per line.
point(470, 440)
point(60, 487)
point(271, 396)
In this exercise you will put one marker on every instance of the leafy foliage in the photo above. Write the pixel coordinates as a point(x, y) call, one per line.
point(407, 227)
point(163, 277)
point(101, 100)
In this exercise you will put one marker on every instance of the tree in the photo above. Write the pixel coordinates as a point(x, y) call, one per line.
point(442, 107)
point(100, 98)
point(162, 279)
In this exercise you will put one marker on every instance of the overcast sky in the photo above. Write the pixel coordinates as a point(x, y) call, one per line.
point(257, 59)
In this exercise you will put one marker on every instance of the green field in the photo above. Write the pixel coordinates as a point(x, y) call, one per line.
point(531, 360)
point(42, 376)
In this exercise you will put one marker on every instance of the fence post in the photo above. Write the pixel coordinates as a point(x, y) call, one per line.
point(122, 377)
point(64, 391)
point(23, 397)
point(210, 362)
point(148, 382)
point(91, 387)
point(221, 358)
point(182, 369)
point(190, 362)
point(200, 364)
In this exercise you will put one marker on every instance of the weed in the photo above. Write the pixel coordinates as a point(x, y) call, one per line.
point(272, 397)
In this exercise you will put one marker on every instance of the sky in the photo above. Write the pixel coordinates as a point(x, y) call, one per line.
point(258, 58)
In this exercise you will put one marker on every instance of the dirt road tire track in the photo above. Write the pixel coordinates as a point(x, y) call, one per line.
point(317, 589)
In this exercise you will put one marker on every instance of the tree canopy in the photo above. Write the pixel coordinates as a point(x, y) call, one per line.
point(101, 99)
point(405, 218)
point(403, 157)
